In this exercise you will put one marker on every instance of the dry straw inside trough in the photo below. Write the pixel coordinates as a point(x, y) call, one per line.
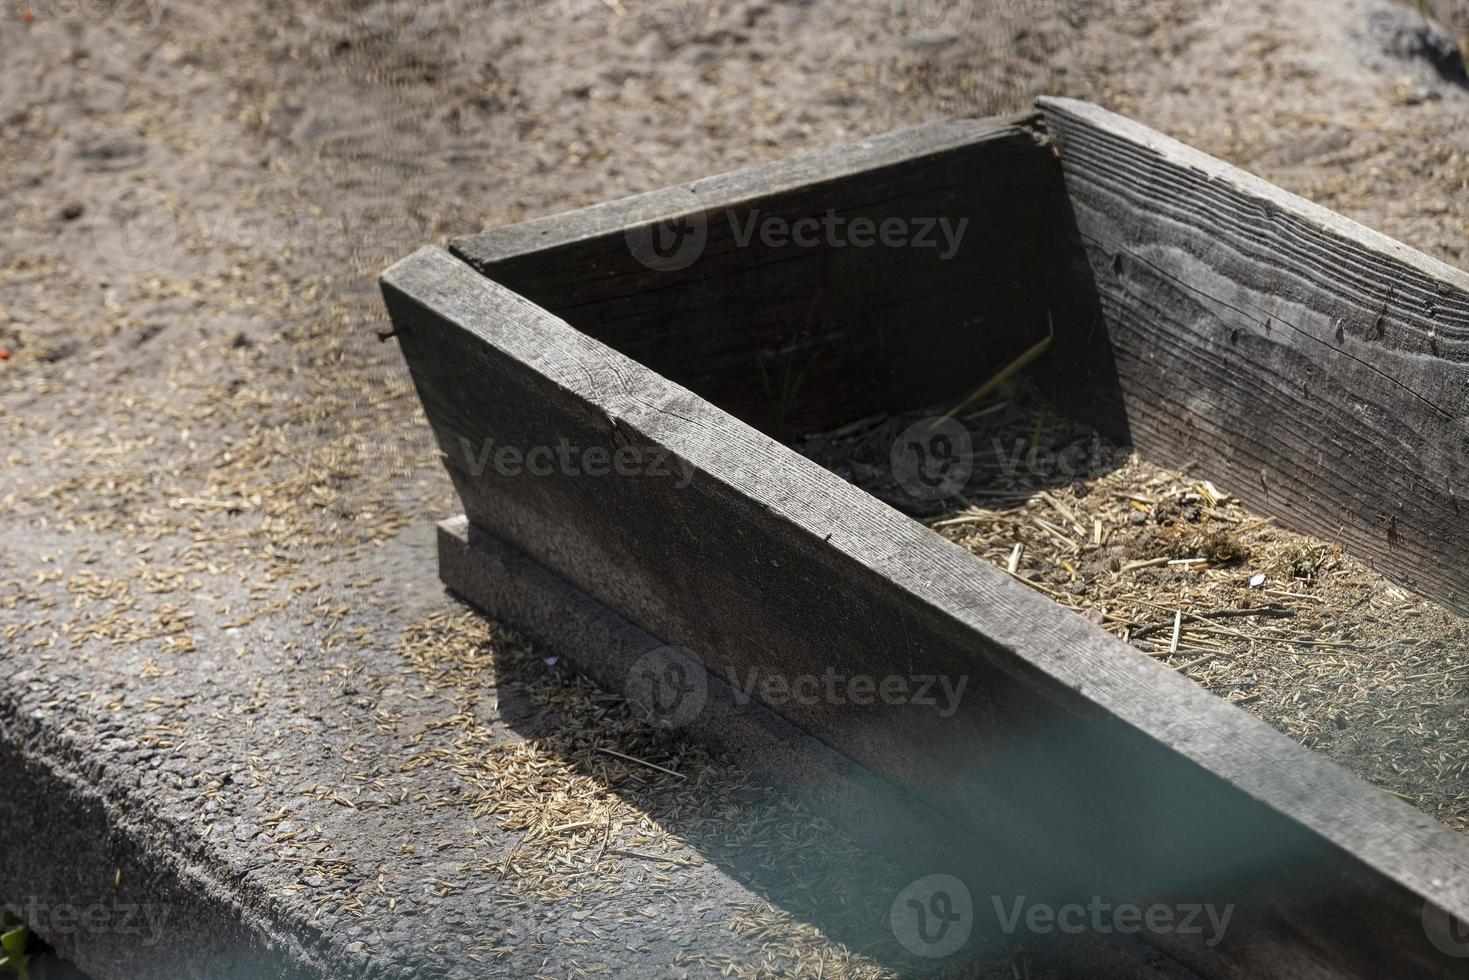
point(1284, 625)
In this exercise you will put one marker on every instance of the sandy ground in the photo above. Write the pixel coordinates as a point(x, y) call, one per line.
point(207, 453)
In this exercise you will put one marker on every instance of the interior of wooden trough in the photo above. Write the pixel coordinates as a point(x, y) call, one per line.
point(1177, 419)
point(1285, 625)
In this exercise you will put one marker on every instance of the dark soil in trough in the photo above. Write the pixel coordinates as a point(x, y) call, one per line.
point(1286, 626)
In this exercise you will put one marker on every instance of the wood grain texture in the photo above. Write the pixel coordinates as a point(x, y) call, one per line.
point(798, 337)
point(1080, 766)
point(1313, 367)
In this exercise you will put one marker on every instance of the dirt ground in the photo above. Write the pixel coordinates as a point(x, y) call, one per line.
point(203, 438)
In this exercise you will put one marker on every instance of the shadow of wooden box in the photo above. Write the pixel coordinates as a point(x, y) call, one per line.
point(668, 342)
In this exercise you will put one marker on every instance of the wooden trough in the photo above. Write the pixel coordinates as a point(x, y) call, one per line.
point(609, 389)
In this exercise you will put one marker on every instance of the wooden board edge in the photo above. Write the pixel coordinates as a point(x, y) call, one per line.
point(1254, 186)
point(733, 188)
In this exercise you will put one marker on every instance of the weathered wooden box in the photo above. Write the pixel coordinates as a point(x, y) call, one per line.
point(610, 387)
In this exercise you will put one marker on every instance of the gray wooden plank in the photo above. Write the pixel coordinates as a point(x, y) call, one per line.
point(1311, 366)
point(794, 337)
point(1080, 766)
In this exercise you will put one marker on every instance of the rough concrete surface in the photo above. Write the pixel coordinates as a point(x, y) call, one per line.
point(235, 697)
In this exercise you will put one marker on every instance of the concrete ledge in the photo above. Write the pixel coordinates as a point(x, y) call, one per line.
point(114, 889)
